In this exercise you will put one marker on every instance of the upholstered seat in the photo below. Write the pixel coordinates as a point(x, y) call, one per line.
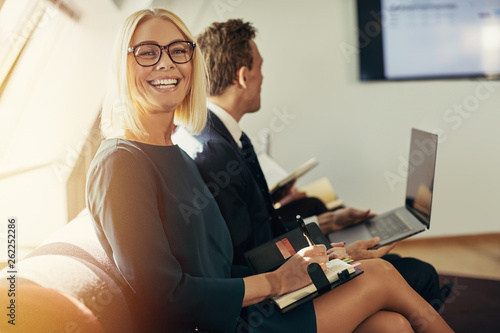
point(68, 284)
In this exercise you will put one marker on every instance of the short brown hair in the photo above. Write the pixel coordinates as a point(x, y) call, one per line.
point(226, 48)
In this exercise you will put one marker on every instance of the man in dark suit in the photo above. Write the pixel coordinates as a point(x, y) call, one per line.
point(228, 164)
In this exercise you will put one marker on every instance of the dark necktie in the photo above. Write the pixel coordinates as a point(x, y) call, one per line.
point(253, 163)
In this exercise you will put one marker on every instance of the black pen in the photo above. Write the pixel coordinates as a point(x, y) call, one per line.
point(305, 231)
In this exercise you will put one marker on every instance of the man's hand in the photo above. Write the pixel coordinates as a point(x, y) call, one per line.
point(286, 194)
point(341, 218)
point(360, 249)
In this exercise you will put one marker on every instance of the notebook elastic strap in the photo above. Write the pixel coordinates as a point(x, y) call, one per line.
point(318, 278)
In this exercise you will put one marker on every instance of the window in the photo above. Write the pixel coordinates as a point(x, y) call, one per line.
point(49, 104)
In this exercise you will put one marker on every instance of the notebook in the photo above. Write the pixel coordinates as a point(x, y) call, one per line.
point(415, 216)
point(278, 179)
point(337, 273)
point(271, 255)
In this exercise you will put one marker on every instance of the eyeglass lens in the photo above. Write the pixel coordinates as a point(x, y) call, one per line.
point(149, 54)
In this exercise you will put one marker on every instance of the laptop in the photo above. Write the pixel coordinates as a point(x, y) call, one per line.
point(415, 216)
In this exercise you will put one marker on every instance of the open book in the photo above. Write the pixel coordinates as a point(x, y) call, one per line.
point(277, 177)
point(335, 266)
point(323, 189)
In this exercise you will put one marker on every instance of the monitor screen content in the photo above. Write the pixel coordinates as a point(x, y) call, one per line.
point(424, 39)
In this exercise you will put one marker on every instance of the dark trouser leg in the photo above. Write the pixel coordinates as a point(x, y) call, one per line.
point(304, 207)
point(421, 276)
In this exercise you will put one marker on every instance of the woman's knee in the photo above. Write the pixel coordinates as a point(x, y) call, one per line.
point(398, 324)
point(386, 322)
point(381, 268)
point(381, 275)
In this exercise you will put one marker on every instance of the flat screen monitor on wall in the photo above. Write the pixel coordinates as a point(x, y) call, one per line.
point(428, 39)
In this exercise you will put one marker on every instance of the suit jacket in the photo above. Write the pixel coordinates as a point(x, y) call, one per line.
point(232, 183)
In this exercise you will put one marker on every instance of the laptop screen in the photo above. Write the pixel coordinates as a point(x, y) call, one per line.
point(421, 170)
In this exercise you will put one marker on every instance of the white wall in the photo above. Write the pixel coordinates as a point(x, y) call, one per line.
point(358, 131)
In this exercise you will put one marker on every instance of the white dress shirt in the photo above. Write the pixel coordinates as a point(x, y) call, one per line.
point(231, 124)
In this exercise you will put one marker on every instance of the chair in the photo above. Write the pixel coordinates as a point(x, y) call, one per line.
point(68, 284)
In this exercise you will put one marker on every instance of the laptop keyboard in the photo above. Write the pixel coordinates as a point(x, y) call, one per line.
point(388, 226)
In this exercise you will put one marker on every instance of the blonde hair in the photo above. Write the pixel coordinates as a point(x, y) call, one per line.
point(120, 112)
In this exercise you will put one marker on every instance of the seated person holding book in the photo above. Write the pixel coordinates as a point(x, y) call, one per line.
point(227, 162)
point(290, 201)
point(139, 187)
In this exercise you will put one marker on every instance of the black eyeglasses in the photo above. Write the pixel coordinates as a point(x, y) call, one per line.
point(149, 54)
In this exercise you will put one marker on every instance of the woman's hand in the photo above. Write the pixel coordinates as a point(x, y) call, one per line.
point(338, 251)
point(293, 275)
